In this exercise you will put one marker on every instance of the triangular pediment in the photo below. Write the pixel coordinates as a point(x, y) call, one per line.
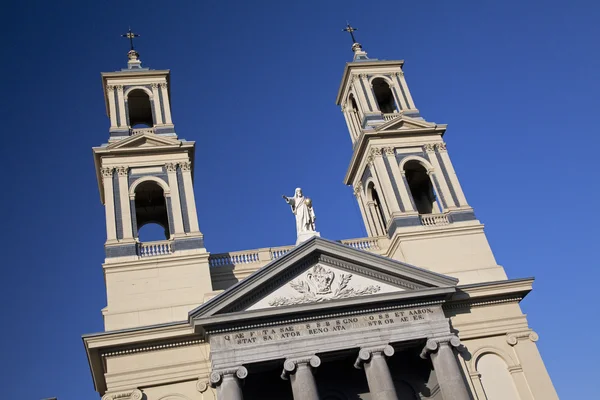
point(321, 272)
point(144, 140)
point(403, 122)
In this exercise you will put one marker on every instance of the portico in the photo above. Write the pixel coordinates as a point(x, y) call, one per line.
point(294, 342)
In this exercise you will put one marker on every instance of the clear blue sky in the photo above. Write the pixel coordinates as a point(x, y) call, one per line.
point(254, 84)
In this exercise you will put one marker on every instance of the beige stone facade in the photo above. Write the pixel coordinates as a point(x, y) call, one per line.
point(418, 309)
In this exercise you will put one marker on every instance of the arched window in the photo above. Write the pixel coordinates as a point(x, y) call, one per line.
point(384, 96)
point(151, 208)
point(420, 186)
point(140, 110)
point(497, 382)
point(376, 209)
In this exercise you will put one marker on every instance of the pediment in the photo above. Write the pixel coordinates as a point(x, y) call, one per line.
point(402, 122)
point(321, 272)
point(144, 140)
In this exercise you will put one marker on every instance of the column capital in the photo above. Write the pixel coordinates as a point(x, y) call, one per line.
point(401, 73)
point(171, 167)
point(202, 386)
point(358, 189)
point(185, 166)
point(513, 338)
point(107, 172)
point(110, 87)
point(216, 377)
point(433, 345)
point(366, 353)
point(122, 170)
point(127, 395)
point(155, 86)
point(389, 151)
point(441, 146)
point(119, 87)
point(376, 152)
point(163, 85)
point(290, 365)
point(429, 147)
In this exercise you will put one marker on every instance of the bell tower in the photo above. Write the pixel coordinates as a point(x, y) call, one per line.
point(145, 176)
point(402, 175)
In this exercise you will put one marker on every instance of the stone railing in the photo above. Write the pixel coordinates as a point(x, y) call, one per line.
point(277, 252)
point(365, 243)
point(150, 249)
point(140, 131)
point(390, 116)
point(233, 258)
point(434, 219)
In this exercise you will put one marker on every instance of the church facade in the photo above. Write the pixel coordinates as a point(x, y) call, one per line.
point(419, 309)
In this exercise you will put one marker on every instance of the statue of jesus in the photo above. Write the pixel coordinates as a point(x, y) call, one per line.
point(303, 210)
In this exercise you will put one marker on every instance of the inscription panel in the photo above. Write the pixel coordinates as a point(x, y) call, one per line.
point(392, 319)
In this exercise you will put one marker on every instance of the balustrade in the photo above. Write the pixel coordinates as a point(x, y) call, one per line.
point(140, 131)
point(246, 257)
point(362, 244)
point(391, 116)
point(151, 249)
point(434, 219)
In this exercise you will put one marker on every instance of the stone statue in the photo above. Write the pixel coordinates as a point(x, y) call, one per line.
point(304, 212)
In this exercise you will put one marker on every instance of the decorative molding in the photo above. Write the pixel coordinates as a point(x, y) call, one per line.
point(216, 377)
point(475, 303)
point(290, 364)
point(152, 348)
point(107, 172)
point(122, 171)
point(119, 87)
point(401, 73)
point(366, 353)
point(358, 189)
point(389, 151)
point(376, 152)
point(129, 395)
point(155, 86)
point(441, 146)
point(163, 85)
point(429, 147)
point(185, 166)
point(110, 88)
point(202, 386)
point(318, 287)
point(363, 76)
point(433, 345)
point(171, 167)
point(513, 338)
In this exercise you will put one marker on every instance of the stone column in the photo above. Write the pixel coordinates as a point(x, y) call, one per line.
point(157, 105)
point(376, 218)
point(385, 183)
point(109, 204)
point(165, 103)
point(359, 199)
point(300, 373)
point(175, 201)
point(121, 106)
point(188, 186)
point(447, 370)
point(402, 189)
point(124, 200)
point(402, 81)
point(229, 383)
point(447, 200)
point(370, 95)
point(447, 164)
point(355, 82)
point(381, 385)
point(403, 103)
point(112, 109)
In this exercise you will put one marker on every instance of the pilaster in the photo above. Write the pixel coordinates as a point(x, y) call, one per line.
point(385, 182)
point(190, 202)
point(124, 201)
point(157, 105)
point(404, 87)
point(112, 110)
point(439, 180)
point(109, 204)
point(355, 82)
point(447, 164)
point(175, 201)
point(369, 89)
point(402, 188)
point(166, 103)
point(358, 193)
point(121, 106)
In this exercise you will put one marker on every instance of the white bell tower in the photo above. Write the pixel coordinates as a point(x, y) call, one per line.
point(402, 175)
point(145, 175)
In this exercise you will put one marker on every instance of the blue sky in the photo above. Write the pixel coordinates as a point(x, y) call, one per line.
point(254, 84)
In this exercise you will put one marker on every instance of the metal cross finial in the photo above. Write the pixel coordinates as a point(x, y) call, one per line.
point(350, 30)
point(130, 35)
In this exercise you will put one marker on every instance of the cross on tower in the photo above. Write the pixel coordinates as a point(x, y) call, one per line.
point(130, 35)
point(350, 30)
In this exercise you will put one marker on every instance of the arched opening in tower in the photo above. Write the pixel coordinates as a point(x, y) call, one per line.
point(420, 186)
point(377, 210)
point(139, 108)
point(384, 96)
point(151, 209)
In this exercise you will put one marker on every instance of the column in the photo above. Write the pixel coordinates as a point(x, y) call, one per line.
point(447, 370)
point(112, 110)
point(399, 92)
point(370, 95)
point(175, 201)
point(157, 105)
point(384, 181)
point(400, 76)
point(381, 385)
point(121, 105)
point(188, 187)
point(359, 199)
point(402, 189)
point(377, 218)
point(124, 198)
point(229, 383)
point(165, 102)
point(300, 373)
point(109, 204)
point(448, 201)
point(356, 85)
point(392, 85)
point(460, 196)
